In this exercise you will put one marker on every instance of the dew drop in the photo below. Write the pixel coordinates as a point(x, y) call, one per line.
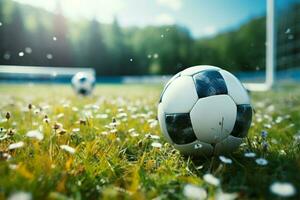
point(21, 54)
point(6, 56)
point(28, 50)
point(49, 56)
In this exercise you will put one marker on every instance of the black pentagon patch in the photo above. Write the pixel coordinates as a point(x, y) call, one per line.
point(209, 83)
point(83, 79)
point(179, 127)
point(243, 120)
point(168, 83)
point(83, 91)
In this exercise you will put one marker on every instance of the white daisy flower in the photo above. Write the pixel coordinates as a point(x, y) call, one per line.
point(131, 130)
point(154, 137)
point(13, 166)
point(95, 107)
point(297, 137)
point(152, 123)
point(66, 105)
point(60, 115)
point(199, 167)
point(35, 134)
point(67, 148)
point(134, 134)
point(20, 196)
point(16, 145)
point(278, 119)
point(113, 124)
point(225, 196)
point(98, 187)
point(120, 110)
point(4, 137)
point(79, 183)
point(283, 189)
point(249, 154)
point(156, 144)
point(36, 111)
point(225, 160)
point(104, 133)
point(75, 130)
point(113, 130)
point(211, 179)
point(282, 152)
point(87, 114)
point(6, 156)
point(194, 192)
point(261, 161)
point(45, 107)
point(121, 115)
point(35, 123)
point(75, 109)
point(102, 116)
point(274, 141)
point(268, 126)
point(2, 120)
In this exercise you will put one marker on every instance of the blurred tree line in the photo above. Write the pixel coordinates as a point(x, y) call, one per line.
point(31, 36)
point(288, 36)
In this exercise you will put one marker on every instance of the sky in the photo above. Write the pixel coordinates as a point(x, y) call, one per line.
point(202, 17)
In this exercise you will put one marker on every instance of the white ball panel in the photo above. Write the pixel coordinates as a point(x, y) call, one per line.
point(213, 118)
point(196, 148)
point(235, 88)
point(162, 123)
point(180, 96)
point(86, 85)
point(193, 70)
point(228, 145)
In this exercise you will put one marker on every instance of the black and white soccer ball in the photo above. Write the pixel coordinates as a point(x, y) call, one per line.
point(204, 110)
point(83, 83)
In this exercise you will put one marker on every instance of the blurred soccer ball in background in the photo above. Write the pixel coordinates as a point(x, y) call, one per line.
point(204, 110)
point(83, 83)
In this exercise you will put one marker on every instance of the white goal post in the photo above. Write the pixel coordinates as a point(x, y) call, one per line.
point(7, 71)
point(270, 51)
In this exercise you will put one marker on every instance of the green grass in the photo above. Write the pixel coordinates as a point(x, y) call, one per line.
point(117, 165)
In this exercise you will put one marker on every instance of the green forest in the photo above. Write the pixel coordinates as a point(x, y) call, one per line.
point(32, 36)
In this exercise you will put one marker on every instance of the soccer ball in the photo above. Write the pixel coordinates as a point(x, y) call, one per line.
point(83, 83)
point(204, 110)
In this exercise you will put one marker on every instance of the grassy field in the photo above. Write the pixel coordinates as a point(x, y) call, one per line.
point(56, 145)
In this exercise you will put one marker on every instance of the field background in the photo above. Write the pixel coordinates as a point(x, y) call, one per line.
point(118, 161)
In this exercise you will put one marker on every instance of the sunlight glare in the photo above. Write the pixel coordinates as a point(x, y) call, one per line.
point(103, 10)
